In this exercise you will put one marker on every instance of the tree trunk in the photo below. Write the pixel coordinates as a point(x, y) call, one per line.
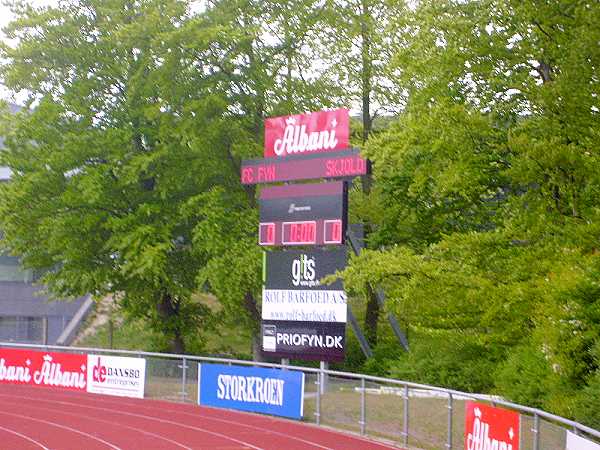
point(372, 310)
point(252, 310)
point(168, 311)
point(371, 317)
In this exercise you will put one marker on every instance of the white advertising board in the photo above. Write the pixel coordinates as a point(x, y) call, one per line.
point(116, 375)
point(304, 305)
point(575, 442)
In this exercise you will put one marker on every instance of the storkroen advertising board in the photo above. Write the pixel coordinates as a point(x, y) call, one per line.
point(302, 318)
point(256, 389)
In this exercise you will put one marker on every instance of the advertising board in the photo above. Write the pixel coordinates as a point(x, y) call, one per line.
point(49, 369)
point(323, 341)
point(302, 317)
point(304, 269)
point(575, 442)
point(303, 214)
point(116, 375)
point(343, 164)
point(488, 427)
point(256, 389)
point(310, 133)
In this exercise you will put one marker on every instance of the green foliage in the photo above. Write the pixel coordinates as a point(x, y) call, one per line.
point(453, 360)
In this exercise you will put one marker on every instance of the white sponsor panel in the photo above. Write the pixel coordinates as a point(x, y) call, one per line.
point(304, 305)
point(575, 442)
point(116, 375)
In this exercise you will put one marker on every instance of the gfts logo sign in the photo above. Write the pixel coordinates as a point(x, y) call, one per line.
point(303, 271)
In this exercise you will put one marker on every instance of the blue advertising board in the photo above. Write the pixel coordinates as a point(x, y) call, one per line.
point(256, 389)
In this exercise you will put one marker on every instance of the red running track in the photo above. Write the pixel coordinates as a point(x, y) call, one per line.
point(40, 418)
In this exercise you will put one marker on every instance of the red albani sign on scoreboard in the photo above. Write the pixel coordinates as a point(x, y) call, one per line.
point(62, 370)
point(318, 132)
point(488, 427)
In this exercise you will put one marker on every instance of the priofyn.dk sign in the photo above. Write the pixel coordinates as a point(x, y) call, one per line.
point(323, 341)
point(268, 391)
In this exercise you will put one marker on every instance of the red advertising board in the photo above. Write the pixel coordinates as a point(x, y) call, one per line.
point(61, 370)
point(487, 427)
point(316, 132)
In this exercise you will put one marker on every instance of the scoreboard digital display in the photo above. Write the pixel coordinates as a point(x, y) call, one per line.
point(307, 232)
point(305, 214)
point(347, 163)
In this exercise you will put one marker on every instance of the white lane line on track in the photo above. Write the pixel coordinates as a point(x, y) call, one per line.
point(96, 419)
point(216, 419)
point(27, 438)
point(383, 445)
point(214, 433)
point(64, 427)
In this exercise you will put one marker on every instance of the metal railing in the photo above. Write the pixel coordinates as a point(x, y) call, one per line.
point(411, 415)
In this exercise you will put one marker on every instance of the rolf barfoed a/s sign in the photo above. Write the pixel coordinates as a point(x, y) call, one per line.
point(268, 391)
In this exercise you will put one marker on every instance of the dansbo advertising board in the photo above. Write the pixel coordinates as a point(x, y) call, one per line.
point(116, 375)
point(255, 389)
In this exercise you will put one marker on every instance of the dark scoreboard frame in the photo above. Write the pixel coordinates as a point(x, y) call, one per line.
point(303, 214)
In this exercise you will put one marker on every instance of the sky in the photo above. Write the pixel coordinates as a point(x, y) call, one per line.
point(5, 18)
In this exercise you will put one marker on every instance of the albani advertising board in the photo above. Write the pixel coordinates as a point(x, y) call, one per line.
point(268, 391)
point(316, 132)
point(48, 369)
point(302, 318)
point(303, 214)
point(111, 375)
point(488, 427)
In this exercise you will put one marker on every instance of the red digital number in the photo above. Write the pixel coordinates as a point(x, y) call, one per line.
point(333, 232)
point(266, 234)
point(300, 232)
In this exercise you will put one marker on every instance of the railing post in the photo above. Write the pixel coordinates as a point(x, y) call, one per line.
point(324, 365)
point(318, 411)
point(45, 330)
point(450, 411)
point(362, 406)
point(536, 432)
point(184, 367)
point(405, 428)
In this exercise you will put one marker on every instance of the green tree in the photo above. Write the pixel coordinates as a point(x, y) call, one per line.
point(489, 183)
point(103, 165)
